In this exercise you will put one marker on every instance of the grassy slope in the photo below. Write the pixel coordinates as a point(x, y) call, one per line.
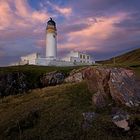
point(60, 110)
point(36, 69)
point(132, 57)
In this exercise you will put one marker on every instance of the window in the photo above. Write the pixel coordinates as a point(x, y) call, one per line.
point(74, 60)
point(81, 61)
point(81, 56)
point(87, 57)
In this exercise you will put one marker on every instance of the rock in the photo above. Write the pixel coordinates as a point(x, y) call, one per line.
point(13, 83)
point(123, 86)
point(122, 124)
point(52, 78)
point(97, 80)
point(120, 119)
point(75, 76)
point(117, 84)
point(88, 120)
point(99, 100)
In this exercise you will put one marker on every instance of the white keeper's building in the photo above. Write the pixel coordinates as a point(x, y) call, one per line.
point(74, 58)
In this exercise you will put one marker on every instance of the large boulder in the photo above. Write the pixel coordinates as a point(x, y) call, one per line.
point(75, 76)
point(52, 78)
point(97, 80)
point(123, 85)
point(118, 84)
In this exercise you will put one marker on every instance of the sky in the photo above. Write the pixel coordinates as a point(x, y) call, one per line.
point(102, 28)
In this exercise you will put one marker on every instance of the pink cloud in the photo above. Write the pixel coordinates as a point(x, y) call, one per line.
point(5, 14)
point(22, 15)
point(94, 36)
point(66, 11)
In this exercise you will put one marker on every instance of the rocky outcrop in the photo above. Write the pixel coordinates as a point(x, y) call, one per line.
point(75, 76)
point(18, 82)
point(52, 78)
point(117, 85)
point(13, 83)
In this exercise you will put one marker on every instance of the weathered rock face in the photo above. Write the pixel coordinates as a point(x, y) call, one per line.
point(51, 79)
point(118, 84)
point(12, 83)
point(109, 84)
point(97, 79)
point(75, 76)
point(123, 87)
point(17, 82)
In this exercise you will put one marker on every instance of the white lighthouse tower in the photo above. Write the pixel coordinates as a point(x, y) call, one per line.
point(74, 58)
point(51, 40)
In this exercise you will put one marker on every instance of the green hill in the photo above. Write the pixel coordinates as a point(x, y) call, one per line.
point(56, 112)
point(132, 57)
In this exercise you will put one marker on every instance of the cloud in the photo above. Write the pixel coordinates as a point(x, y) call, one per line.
point(20, 27)
point(103, 28)
point(66, 11)
point(94, 35)
point(18, 13)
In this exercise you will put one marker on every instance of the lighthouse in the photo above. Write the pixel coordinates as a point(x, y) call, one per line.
point(74, 58)
point(51, 40)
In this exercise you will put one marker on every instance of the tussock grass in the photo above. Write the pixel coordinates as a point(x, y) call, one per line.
point(60, 108)
point(55, 113)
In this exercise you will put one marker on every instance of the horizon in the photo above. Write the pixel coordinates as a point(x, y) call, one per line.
point(101, 28)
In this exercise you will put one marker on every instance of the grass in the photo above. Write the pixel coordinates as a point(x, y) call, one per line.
point(60, 110)
point(33, 73)
point(36, 69)
point(55, 113)
point(131, 58)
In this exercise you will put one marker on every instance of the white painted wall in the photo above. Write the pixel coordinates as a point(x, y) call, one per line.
point(78, 57)
point(29, 59)
point(47, 62)
point(51, 45)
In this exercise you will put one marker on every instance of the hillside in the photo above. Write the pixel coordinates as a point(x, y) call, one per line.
point(20, 79)
point(56, 113)
point(77, 109)
point(132, 57)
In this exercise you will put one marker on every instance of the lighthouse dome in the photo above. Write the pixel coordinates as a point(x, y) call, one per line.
point(51, 22)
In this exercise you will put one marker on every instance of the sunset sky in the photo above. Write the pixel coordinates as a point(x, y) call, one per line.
point(102, 28)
